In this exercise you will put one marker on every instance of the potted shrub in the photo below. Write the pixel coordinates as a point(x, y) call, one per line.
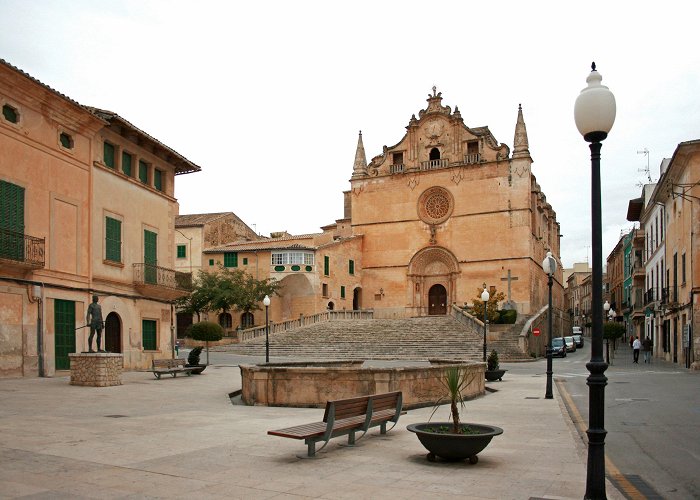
point(206, 331)
point(493, 371)
point(454, 440)
point(193, 360)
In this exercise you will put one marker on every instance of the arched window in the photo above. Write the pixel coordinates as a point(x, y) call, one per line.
point(225, 321)
point(331, 306)
point(247, 320)
point(435, 154)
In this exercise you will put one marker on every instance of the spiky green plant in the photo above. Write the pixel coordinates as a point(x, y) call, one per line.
point(455, 381)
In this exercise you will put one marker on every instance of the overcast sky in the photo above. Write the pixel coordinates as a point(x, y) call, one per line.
point(268, 96)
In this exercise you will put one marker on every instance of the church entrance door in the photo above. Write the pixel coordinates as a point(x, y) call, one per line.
point(113, 333)
point(437, 300)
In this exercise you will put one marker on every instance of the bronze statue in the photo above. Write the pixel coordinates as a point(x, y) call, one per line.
point(94, 319)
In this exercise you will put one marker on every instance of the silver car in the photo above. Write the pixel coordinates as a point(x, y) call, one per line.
point(570, 344)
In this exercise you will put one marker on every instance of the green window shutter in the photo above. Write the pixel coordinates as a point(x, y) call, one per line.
point(126, 163)
point(150, 256)
point(342, 292)
point(245, 261)
point(66, 140)
point(11, 221)
point(149, 335)
point(326, 265)
point(109, 155)
point(231, 259)
point(64, 332)
point(113, 239)
point(143, 171)
point(351, 267)
point(211, 262)
point(158, 179)
point(181, 251)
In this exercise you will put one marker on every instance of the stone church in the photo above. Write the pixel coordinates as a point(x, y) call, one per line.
point(426, 224)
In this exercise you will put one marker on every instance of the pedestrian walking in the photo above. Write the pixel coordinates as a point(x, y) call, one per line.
point(646, 347)
point(636, 345)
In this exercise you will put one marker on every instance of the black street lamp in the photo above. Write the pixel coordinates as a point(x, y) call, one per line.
point(266, 303)
point(594, 113)
point(549, 265)
point(485, 298)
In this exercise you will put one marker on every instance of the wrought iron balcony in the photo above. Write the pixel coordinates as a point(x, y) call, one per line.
point(22, 250)
point(161, 282)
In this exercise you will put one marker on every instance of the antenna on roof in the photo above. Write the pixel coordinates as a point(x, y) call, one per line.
point(646, 170)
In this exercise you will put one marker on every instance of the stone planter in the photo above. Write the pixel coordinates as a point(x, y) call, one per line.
point(493, 375)
point(454, 447)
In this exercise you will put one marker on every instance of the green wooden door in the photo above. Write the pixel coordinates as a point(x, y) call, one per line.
point(11, 221)
point(64, 322)
point(150, 257)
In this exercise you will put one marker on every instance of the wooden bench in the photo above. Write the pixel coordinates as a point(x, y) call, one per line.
point(347, 417)
point(170, 366)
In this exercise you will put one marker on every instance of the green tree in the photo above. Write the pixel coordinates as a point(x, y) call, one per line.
point(206, 331)
point(613, 331)
point(198, 300)
point(477, 308)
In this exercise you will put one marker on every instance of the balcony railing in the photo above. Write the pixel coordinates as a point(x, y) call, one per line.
point(27, 251)
point(472, 158)
point(397, 168)
point(161, 281)
point(433, 164)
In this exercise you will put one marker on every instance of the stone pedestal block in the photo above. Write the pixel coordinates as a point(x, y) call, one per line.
point(97, 369)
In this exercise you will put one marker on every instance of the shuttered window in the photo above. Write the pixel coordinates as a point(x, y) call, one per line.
point(113, 239)
point(158, 179)
point(342, 292)
point(64, 332)
point(126, 163)
point(109, 155)
point(351, 267)
point(149, 334)
point(150, 256)
point(326, 265)
point(143, 171)
point(181, 251)
point(11, 221)
point(231, 259)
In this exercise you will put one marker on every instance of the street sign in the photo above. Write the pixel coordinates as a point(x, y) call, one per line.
point(536, 332)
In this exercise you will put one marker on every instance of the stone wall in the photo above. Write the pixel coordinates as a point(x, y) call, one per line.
point(98, 369)
point(313, 384)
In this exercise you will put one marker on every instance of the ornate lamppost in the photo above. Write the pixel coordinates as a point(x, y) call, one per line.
point(266, 303)
point(549, 265)
point(485, 298)
point(594, 113)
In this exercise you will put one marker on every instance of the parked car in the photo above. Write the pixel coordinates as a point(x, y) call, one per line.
point(558, 348)
point(570, 344)
point(576, 330)
point(578, 338)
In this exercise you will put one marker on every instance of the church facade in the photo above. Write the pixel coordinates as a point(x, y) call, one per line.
point(426, 224)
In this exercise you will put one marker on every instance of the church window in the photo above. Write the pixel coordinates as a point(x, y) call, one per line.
point(351, 267)
point(434, 154)
point(473, 147)
point(326, 265)
point(342, 292)
point(225, 320)
point(66, 140)
point(397, 158)
point(247, 320)
point(435, 205)
point(231, 259)
point(324, 290)
point(11, 114)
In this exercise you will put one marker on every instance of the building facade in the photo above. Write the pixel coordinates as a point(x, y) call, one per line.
point(86, 208)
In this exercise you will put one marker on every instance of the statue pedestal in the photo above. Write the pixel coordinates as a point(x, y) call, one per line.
point(97, 369)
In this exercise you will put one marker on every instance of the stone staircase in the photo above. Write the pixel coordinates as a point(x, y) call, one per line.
point(385, 339)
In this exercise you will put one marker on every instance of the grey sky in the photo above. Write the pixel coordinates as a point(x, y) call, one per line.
point(268, 97)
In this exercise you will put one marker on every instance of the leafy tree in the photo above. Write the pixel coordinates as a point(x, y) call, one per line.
point(477, 308)
point(201, 295)
point(206, 331)
point(613, 331)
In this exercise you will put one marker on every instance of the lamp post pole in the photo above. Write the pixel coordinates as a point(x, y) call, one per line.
point(485, 298)
point(594, 113)
point(549, 265)
point(266, 302)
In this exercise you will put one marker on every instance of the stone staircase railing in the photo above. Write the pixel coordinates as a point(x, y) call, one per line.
point(293, 324)
point(467, 319)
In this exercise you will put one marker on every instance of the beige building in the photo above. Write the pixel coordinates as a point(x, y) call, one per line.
point(86, 207)
point(426, 223)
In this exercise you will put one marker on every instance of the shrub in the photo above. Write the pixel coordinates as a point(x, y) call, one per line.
point(193, 357)
point(612, 330)
point(507, 316)
point(492, 361)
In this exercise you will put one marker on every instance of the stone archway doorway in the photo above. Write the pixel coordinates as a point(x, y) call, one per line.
point(113, 333)
point(357, 299)
point(437, 300)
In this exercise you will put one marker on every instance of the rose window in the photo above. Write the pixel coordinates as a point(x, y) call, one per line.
point(435, 205)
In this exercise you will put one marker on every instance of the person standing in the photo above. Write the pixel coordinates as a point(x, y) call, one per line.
point(636, 345)
point(646, 346)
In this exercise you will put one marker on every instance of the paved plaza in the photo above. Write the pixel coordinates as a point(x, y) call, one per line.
point(183, 437)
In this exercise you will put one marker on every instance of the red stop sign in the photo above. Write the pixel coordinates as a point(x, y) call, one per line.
point(536, 332)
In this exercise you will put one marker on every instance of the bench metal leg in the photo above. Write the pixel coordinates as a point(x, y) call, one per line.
point(311, 449)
